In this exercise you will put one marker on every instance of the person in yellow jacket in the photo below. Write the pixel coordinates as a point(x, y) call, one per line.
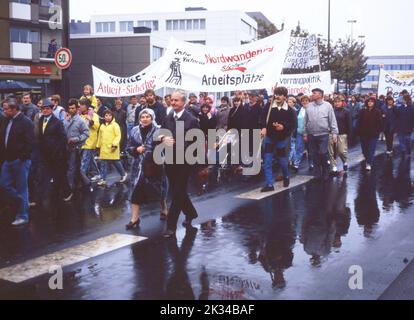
point(109, 139)
point(88, 94)
point(88, 163)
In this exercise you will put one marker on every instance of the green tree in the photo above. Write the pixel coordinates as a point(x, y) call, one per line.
point(348, 63)
point(265, 29)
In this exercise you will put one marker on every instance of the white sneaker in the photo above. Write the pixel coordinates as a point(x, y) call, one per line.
point(19, 222)
point(335, 169)
point(368, 167)
point(96, 178)
point(101, 183)
point(68, 198)
point(124, 178)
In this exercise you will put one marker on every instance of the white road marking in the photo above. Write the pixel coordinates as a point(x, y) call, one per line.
point(257, 195)
point(40, 266)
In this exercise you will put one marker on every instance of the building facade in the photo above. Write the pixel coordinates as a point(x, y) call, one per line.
point(31, 32)
point(197, 25)
point(120, 56)
point(388, 63)
point(126, 44)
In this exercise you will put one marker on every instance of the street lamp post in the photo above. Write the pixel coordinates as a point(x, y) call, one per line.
point(329, 32)
point(352, 28)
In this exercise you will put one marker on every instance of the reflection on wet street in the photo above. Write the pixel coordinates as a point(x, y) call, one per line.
point(280, 247)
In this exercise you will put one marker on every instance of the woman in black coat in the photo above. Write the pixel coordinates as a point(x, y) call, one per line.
point(148, 178)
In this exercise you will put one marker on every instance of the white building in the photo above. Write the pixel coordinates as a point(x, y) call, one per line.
point(388, 63)
point(197, 25)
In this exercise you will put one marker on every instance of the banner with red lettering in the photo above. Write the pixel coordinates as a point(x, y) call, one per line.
point(194, 67)
point(107, 85)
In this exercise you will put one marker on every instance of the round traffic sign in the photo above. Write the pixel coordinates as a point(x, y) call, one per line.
point(63, 58)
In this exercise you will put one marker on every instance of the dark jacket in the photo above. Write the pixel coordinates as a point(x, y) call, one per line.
point(53, 141)
point(344, 119)
point(405, 119)
point(206, 123)
point(194, 109)
point(370, 123)
point(120, 118)
point(189, 123)
point(254, 115)
point(286, 117)
point(390, 119)
point(20, 142)
point(238, 118)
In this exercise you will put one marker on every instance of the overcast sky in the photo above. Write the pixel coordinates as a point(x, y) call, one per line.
point(386, 25)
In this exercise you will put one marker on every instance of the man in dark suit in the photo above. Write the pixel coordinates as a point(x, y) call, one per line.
point(178, 174)
point(16, 141)
point(53, 150)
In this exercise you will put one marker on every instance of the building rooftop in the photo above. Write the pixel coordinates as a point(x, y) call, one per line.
point(259, 15)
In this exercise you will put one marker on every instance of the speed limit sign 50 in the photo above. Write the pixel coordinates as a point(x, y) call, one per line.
point(63, 58)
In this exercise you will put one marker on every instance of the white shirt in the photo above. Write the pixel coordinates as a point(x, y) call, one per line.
point(178, 115)
point(284, 107)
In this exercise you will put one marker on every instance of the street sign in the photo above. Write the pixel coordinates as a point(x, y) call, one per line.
point(63, 58)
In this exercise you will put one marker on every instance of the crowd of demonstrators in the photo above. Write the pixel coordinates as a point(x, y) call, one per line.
point(72, 148)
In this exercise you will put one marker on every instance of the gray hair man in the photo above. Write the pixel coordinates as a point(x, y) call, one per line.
point(320, 122)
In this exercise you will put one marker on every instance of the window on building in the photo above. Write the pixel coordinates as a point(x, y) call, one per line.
point(152, 24)
point(23, 35)
point(196, 24)
point(157, 53)
point(190, 24)
point(126, 26)
point(105, 27)
point(22, 1)
point(175, 24)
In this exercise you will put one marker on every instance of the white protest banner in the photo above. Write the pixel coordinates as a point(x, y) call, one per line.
point(396, 82)
point(305, 83)
point(107, 85)
point(217, 69)
point(303, 53)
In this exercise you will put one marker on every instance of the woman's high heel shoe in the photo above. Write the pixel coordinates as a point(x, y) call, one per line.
point(133, 225)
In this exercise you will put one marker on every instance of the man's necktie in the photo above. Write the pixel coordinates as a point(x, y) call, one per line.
point(176, 118)
point(44, 124)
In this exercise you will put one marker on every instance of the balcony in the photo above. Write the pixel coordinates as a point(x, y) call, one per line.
point(21, 51)
point(20, 11)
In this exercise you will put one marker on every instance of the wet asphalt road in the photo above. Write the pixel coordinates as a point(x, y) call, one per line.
point(298, 244)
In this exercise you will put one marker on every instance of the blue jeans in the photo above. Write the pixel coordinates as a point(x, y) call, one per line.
point(88, 161)
point(300, 148)
point(130, 126)
point(73, 167)
point(116, 163)
point(292, 154)
point(368, 146)
point(318, 147)
point(272, 146)
point(14, 176)
point(405, 142)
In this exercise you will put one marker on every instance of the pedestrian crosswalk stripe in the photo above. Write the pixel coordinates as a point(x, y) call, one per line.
point(41, 265)
point(257, 195)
